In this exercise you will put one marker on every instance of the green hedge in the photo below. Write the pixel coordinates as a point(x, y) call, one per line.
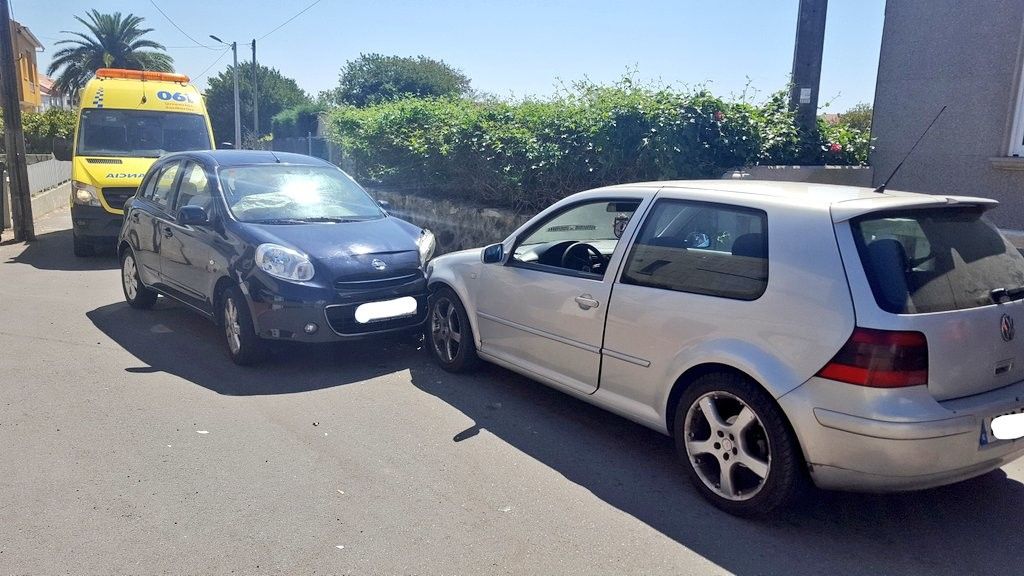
point(525, 155)
point(299, 121)
point(42, 127)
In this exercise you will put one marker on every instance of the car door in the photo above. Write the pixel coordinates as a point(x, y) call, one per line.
point(185, 250)
point(146, 214)
point(694, 272)
point(543, 310)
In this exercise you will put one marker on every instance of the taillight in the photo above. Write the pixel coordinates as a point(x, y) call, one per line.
point(880, 359)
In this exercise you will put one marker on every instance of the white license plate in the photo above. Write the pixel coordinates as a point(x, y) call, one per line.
point(386, 310)
point(1008, 427)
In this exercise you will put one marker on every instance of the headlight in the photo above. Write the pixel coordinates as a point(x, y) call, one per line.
point(284, 263)
point(426, 244)
point(84, 194)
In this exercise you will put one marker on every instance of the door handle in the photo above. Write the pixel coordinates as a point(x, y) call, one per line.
point(168, 232)
point(586, 302)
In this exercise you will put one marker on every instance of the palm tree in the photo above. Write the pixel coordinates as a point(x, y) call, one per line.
point(113, 42)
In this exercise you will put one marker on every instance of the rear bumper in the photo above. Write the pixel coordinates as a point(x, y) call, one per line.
point(864, 439)
point(95, 224)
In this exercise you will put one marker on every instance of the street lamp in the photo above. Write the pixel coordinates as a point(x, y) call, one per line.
point(234, 70)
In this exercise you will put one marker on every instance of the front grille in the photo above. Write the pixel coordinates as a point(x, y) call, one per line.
point(341, 319)
point(116, 197)
point(377, 281)
point(103, 160)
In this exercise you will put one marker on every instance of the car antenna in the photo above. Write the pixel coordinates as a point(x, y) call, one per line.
point(881, 188)
point(276, 159)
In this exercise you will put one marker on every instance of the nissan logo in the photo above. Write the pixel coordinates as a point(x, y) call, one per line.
point(379, 264)
point(1006, 328)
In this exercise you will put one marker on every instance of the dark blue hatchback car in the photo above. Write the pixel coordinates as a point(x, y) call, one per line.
point(271, 246)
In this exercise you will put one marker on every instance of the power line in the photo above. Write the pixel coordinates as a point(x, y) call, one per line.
point(212, 64)
point(281, 25)
point(178, 27)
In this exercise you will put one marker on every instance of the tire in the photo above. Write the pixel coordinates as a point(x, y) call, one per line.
point(750, 438)
point(244, 347)
point(81, 248)
point(449, 333)
point(135, 292)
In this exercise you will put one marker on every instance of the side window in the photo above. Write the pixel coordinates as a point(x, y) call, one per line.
point(701, 248)
point(194, 189)
point(164, 188)
point(579, 239)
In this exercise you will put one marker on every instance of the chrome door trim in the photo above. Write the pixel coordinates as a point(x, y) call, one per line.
point(627, 358)
point(541, 333)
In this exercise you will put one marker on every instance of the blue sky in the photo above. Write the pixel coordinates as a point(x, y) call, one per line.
point(512, 47)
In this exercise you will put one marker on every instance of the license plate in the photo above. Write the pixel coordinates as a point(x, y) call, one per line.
point(1008, 427)
point(386, 310)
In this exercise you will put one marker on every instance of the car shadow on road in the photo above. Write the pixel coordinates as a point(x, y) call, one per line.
point(172, 338)
point(962, 529)
point(53, 251)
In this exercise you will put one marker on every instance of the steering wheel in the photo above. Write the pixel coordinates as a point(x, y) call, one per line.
point(581, 256)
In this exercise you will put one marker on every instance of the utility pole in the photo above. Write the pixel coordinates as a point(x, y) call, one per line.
point(255, 95)
point(810, 42)
point(234, 71)
point(14, 138)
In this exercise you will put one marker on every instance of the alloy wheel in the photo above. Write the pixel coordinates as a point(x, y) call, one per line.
point(445, 330)
point(232, 329)
point(727, 446)
point(130, 277)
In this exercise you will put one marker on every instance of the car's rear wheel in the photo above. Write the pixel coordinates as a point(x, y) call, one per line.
point(739, 450)
point(81, 247)
point(244, 346)
point(135, 292)
point(450, 336)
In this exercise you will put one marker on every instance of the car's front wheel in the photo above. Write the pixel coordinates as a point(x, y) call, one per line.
point(738, 449)
point(450, 336)
point(244, 346)
point(135, 292)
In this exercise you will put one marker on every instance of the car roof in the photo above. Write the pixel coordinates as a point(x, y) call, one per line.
point(226, 158)
point(844, 201)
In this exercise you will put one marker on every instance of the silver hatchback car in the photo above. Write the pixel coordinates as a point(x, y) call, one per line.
point(780, 332)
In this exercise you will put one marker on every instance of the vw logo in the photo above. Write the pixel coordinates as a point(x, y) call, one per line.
point(378, 264)
point(1006, 328)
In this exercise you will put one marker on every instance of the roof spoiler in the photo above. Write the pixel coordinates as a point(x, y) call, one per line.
point(849, 209)
point(141, 75)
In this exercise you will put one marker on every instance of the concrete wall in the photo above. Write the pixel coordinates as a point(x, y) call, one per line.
point(456, 225)
point(966, 56)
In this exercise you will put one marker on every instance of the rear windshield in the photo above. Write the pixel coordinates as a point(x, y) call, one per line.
point(934, 260)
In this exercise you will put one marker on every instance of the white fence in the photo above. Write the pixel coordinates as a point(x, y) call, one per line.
point(47, 174)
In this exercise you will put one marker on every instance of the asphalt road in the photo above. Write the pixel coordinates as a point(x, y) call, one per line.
point(131, 444)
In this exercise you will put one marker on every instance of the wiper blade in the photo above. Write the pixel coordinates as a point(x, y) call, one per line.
point(1001, 294)
point(278, 221)
point(329, 219)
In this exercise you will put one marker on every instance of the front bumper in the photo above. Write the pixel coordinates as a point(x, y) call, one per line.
point(95, 224)
point(876, 440)
point(281, 310)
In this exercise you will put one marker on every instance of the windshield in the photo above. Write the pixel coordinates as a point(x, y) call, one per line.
point(921, 261)
point(283, 194)
point(139, 133)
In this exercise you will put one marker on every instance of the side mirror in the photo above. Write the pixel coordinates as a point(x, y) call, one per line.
point(62, 149)
point(227, 146)
point(493, 253)
point(384, 204)
point(192, 216)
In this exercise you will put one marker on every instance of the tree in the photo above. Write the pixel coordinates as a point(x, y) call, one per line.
point(373, 78)
point(858, 117)
point(276, 92)
point(112, 41)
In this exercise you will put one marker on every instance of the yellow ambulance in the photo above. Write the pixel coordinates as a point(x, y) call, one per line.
point(126, 120)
